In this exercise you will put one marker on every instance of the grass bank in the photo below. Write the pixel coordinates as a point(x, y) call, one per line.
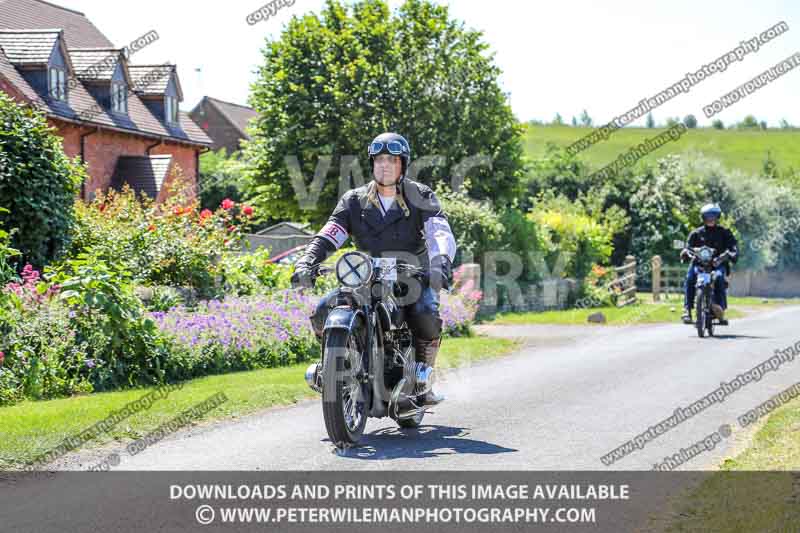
point(642, 313)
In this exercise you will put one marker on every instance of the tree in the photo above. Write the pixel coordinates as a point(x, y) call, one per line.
point(650, 122)
point(586, 120)
point(717, 124)
point(749, 122)
point(574, 122)
point(38, 184)
point(221, 176)
point(785, 124)
point(673, 121)
point(558, 120)
point(334, 80)
point(690, 121)
point(763, 125)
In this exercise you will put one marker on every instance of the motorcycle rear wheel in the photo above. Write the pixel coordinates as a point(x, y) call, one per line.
point(344, 399)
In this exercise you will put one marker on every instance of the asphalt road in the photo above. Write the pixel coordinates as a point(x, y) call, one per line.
point(551, 406)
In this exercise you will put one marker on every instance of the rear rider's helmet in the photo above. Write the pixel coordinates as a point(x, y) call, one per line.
point(710, 211)
point(390, 143)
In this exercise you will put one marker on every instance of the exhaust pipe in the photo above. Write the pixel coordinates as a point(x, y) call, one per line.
point(314, 377)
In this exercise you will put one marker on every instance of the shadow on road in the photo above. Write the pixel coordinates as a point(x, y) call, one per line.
point(717, 336)
point(423, 442)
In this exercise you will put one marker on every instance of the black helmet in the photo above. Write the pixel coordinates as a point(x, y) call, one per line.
point(390, 143)
point(710, 211)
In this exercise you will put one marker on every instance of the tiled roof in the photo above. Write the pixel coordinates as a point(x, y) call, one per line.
point(143, 173)
point(238, 115)
point(87, 52)
point(78, 30)
point(158, 74)
point(82, 106)
point(94, 63)
point(28, 47)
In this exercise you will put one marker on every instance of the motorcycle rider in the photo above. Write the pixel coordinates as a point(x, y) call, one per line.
point(392, 216)
point(713, 235)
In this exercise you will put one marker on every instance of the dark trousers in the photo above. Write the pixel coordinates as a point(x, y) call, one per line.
point(720, 296)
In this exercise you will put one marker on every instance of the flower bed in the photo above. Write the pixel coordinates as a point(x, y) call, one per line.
point(239, 334)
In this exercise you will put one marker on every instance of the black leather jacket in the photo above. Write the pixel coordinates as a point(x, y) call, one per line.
point(417, 228)
point(716, 237)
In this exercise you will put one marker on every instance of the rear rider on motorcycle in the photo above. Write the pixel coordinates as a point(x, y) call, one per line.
point(392, 216)
point(713, 235)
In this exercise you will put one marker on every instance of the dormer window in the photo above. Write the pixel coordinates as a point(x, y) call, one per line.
point(57, 84)
point(119, 98)
point(171, 109)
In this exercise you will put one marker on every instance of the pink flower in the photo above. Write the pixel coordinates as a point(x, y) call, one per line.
point(206, 213)
point(227, 204)
point(247, 210)
point(2, 358)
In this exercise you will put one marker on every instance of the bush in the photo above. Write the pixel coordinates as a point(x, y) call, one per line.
point(664, 209)
point(7, 271)
point(170, 244)
point(123, 345)
point(221, 177)
point(251, 274)
point(476, 225)
point(38, 183)
point(574, 239)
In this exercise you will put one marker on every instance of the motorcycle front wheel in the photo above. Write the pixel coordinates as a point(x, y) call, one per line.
point(700, 316)
point(344, 397)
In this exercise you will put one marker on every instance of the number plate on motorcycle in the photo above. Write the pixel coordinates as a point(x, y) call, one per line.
point(388, 266)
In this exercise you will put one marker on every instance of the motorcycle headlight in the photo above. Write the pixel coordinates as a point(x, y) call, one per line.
point(706, 254)
point(354, 269)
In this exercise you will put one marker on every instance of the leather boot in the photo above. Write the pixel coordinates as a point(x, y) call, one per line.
point(426, 352)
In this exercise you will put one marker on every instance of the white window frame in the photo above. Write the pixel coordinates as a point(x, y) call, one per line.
point(57, 84)
point(119, 98)
point(171, 109)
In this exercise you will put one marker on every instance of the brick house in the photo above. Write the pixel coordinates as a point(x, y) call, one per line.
point(121, 119)
point(226, 123)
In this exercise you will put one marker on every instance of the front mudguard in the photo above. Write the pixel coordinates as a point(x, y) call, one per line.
point(345, 318)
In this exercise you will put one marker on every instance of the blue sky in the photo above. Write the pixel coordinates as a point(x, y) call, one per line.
point(563, 57)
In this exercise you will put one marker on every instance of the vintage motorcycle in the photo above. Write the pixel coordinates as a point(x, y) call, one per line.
point(706, 266)
point(368, 366)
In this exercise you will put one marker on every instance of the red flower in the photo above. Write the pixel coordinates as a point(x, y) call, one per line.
point(206, 213)
point(151, 228)
point(178, 211)
point(247, 210)
point(2, 357)
point(102, 207)
point(227, 204)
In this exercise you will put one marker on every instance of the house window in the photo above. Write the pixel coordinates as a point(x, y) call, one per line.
point(171, 109)
point(119, 98)
point(58, 84)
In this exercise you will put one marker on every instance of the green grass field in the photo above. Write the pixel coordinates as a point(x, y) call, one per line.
point(31, 428)
point(735, 149)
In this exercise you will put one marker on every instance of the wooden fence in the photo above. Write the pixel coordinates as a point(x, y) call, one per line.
point(668, 280)
point(625, 284)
